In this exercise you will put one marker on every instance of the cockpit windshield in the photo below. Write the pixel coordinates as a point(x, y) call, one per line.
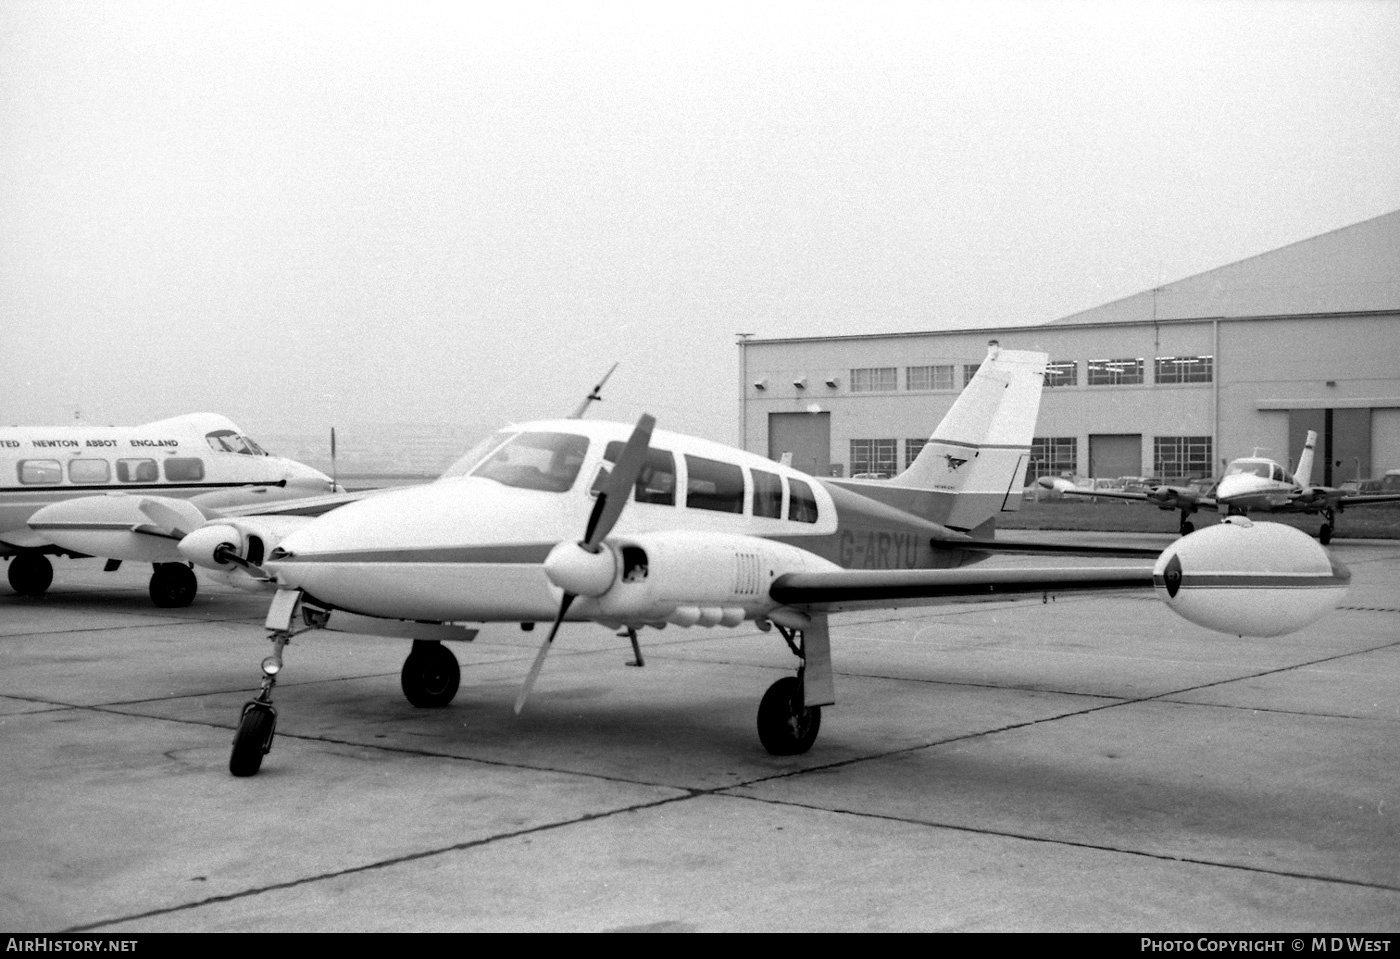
point(542, 461)
point(227, 441)
point(1250, 469)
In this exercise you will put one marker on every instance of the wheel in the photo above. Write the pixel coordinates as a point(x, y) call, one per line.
point(1324, 535)
point(31, 574)
point(173, 585)
point(785, 726)
point(430, 675)
point(1187, 528)
point(253, 739)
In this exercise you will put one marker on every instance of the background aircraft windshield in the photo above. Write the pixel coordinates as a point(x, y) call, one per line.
point(1253, 469)
point(543, 461)
point(227, 441)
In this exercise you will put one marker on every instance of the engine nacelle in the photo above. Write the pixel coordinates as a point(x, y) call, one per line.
point(251, 539)
point(1250, 579)
point(692, 578)
point(113, 526)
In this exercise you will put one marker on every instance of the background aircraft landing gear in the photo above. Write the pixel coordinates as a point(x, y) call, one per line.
point(173, 585)
point(430, 674)
point(1187, 527)
point(1324, 534)
point(786, 726)
point(31, 574)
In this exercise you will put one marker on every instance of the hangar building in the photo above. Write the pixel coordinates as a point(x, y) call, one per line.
point(1172, 382)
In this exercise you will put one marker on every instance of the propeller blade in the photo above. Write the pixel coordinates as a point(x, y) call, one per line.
point(539, 657)
point(625, 473)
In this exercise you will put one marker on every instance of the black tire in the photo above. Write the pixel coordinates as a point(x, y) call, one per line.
point(173, 585)
point(1324, 535)
point(785, 727)
point(252, 741)
point(1187, 528)
point(430, 675)
point(31, 574)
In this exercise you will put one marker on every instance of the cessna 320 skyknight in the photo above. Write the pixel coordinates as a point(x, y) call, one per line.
point(567, 519)
point(1250, 483)
point(85, 491)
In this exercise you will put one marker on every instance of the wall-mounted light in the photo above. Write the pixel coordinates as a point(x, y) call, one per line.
point(800, 384)
point(760, 385)
point(832, 381)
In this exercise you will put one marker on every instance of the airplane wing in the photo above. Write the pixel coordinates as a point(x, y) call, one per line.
point(836, 590)
point(1367, 499)
point(1167, 497)
point(305, 506)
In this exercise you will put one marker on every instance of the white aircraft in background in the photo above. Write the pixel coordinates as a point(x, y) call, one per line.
point(84, 491)
point(1250, 483)
point(631, 527)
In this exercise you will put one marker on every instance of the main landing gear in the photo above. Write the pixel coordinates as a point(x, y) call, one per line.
point(173, 585)
point(31, 573)
point(1324, 533)
point(430, 675)
point(790, 713)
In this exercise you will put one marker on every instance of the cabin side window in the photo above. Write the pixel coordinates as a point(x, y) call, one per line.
point(40, 472)
point(89, 471)
point(184, 469)
point(713, 485)
point(136, 471)
point(767, 494)
point(657, 482)
point(802, 506)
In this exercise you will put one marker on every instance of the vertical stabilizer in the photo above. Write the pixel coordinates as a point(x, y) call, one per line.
point(1303, 477)
point(974, 465)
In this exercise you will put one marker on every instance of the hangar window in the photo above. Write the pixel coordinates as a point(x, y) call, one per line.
point(1115, 372)
point(767, 494)
point(1177, 458)
point(912, 449)
point(137, 471)
point(40, 472)
point(928, 377)
point(1064, 373)
point(184, 469)
point(89, 471)
point(873, 459)
point(713, 485)
point(1185, 369)
point(969, 371)
point(802, 505)
point(657, 482)
point(875, 379)
point(1053, 456)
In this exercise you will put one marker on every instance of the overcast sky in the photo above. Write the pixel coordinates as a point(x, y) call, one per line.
point(307, 214)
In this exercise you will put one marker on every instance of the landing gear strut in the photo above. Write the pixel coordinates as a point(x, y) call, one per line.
point(31, 574)
point(790, 713)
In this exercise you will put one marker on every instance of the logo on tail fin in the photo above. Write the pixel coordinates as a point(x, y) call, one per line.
point(953, 462)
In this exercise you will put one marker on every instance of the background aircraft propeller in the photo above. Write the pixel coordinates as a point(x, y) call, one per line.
point(585, 566)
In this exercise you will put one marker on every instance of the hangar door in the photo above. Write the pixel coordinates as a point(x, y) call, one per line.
point(807, 436)
point(1343, 449)
point(1115, 454)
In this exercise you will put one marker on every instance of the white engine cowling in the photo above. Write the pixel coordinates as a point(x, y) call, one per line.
point(113, 525)
point(692, 578)
point(1250, 579)
point(251, 538)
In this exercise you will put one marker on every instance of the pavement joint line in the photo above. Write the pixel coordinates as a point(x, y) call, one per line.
point(1078, 844)
point(380, 864)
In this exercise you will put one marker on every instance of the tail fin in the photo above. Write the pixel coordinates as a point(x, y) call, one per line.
point(1303, 477)
point(978, 453)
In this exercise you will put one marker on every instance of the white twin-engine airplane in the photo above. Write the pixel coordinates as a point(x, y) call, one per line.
point(575, 520)
point(1250, 483)
point(88, 491)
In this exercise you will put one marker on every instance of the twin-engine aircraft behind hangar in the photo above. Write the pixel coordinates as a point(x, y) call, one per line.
point(1250, 483)
point(634, 527)
point(86, 491)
